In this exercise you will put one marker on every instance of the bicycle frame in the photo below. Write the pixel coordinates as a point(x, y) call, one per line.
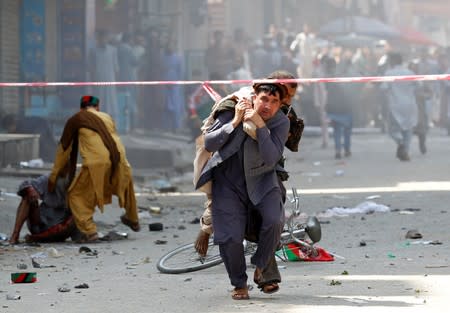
point(297, 231)
point(185, 259)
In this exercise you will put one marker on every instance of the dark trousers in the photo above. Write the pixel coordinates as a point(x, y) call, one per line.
point(230, 220)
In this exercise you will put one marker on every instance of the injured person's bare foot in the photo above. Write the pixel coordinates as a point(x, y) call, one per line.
point(14, 239)
point(201, 243)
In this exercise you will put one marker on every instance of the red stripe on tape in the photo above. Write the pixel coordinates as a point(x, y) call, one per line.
point(375, 79)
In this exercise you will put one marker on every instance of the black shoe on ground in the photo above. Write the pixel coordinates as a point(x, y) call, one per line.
point(402, 155)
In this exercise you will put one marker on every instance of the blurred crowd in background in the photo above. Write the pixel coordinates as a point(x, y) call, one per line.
point(150, 56)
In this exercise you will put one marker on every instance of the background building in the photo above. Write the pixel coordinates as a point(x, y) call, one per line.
point(49, 40)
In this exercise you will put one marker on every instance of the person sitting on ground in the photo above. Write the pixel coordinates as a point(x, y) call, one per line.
point(48, 221)
point(105, 169)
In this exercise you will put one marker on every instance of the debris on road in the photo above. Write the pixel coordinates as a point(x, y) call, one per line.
point(24, 277)
point(64, 288)
point(335, 283)
point(22, 266)
point(413, 234)
point(114, 235)
point(155, 227)
point(82, 286)
point(36, 264)
point(54, 253)
point(88, 251)
point(429, 242)
point(367, 207)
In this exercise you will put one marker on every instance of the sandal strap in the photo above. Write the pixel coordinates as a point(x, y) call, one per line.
point(240, 294)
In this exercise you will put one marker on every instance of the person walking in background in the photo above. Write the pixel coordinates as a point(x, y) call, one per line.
point(339, 110)
point(152, 98)
point(174, 112)
point(240, 46)
point(304, 45)
point(105, 170)
point(402, 106)
point(239, 73)
point(444, 94)
point(320, 98)
point(103, 67)
point(257, 55)
point(219, 55)
point(128, 64)
point(424, 93)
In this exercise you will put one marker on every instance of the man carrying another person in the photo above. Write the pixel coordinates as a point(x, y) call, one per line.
point(244, 173)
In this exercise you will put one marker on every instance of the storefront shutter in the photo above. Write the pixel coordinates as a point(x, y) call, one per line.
point(9, 54)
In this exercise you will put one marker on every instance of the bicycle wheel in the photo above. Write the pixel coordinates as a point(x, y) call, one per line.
point(185, 259)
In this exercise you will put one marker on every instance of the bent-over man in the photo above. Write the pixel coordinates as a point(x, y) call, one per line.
point(105, 170)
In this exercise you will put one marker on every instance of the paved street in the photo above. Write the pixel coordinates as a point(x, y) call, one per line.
point(376, 269)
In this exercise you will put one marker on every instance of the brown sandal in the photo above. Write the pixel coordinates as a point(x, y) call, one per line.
point(240, 294)
point(266, 287)
point(269, 288)
point(133, 225)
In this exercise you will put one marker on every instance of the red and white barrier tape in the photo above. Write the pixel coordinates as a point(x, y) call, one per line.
point(367, 79)
point(211, 92)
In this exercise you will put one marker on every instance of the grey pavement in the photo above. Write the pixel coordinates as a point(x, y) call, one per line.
point(388, 273)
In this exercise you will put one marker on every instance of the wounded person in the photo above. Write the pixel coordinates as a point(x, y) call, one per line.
point(47, 215)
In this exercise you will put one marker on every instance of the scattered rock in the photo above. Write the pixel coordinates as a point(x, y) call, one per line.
point(87, 251)
point(54, 253)
point(195, 221)
point(36, 264)
point(114, 235)
point(335, 283)
point(155, 210)
point(155, 226)
point(22, 266)
point(413, 234)
point(82, 286)
point(63, 288)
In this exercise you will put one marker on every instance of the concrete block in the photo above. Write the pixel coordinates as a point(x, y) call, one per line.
point(15, 148)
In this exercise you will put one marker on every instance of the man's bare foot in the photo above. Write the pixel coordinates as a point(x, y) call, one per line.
point(201, 243)
point(14, 238)
point(133, 225)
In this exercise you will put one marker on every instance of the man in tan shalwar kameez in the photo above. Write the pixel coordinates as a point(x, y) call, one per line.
point(105, 170)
